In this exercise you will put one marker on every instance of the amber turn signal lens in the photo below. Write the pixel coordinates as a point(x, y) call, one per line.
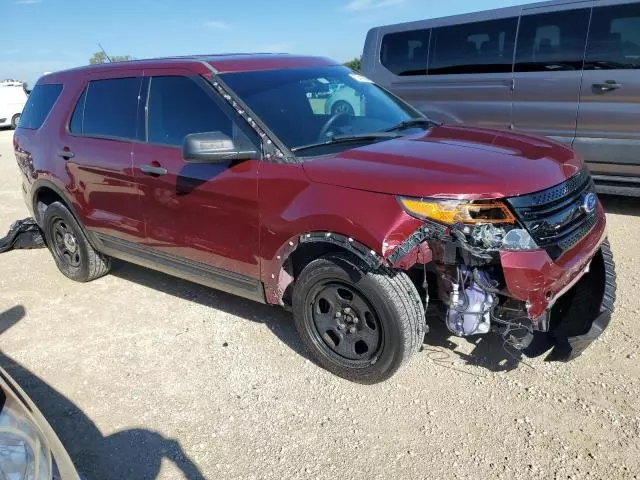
point(451, 212)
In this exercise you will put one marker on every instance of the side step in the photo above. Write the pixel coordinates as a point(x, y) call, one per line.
point(23, 235)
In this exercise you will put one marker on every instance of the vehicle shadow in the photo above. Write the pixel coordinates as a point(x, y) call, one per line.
point(488, 350)
point(134, 454)
point(278, 320)
point(621, 205)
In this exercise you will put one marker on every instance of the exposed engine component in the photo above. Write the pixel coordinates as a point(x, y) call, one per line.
point(469, 306)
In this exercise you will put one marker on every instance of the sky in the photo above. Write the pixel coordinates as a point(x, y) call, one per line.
point(47, 35)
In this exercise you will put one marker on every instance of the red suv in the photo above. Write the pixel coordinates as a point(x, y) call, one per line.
point(228, 171)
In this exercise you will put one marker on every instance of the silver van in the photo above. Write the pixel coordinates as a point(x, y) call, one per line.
point(566, 69)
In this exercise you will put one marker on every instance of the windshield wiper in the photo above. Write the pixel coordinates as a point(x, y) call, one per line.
point(414, 122)
point(358, 137)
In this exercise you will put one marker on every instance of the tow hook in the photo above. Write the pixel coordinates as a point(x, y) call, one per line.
point(23, 235)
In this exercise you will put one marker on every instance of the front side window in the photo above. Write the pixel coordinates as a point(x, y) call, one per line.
point(111, 108)
point(295, 105)
point(405, 53)
point(482, 47)
point(179, 106)
point(552, 41)
point(614, 38)
point(39, 104)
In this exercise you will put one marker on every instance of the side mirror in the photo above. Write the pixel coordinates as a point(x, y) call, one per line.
point(213, 147)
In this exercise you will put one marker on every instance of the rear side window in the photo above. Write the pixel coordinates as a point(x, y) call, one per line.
point(614, 38)
point(39, 104)
point(406, 53)
point(111, 108)
point(481, 47)
point(179, 106)
point(552, 41)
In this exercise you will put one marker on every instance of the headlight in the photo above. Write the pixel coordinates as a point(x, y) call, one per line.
point(24, 454)
point(451, 212)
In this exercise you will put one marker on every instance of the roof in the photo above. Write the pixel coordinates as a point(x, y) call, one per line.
point(218, 63)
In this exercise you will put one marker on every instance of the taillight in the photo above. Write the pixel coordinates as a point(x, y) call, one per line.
point(15, 143)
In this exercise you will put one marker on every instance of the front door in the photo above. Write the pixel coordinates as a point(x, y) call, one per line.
point(548, 70)
point(205, 214)
point(608, 135)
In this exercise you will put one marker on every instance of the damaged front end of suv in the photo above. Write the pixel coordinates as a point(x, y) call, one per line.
point(536, 269)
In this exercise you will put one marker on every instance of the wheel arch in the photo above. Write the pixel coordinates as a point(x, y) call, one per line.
point(44, 193)
point(302, 249)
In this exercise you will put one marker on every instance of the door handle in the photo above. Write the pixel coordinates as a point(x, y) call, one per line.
point(152, 170)
point(66, 154)
point(607, 86)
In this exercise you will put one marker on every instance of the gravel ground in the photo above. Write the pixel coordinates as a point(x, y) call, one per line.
point(145, 376)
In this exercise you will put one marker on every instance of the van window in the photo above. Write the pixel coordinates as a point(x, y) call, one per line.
point(614, 38)
point(111, 108)
point(75, 125)
point(39, 104)
point(179, 106)
point(482, 47)
point(406, 53)
point(552, 41)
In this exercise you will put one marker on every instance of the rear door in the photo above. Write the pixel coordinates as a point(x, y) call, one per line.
point(205, 213)
point(608, 134)
point(548, 69)
point(96, 147)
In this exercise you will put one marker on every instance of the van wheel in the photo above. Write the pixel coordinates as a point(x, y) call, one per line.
point(72, 252)
point(15, 120)
point(342, 107)
point(358, 323)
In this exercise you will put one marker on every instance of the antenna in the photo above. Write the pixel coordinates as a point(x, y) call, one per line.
point(105, 53)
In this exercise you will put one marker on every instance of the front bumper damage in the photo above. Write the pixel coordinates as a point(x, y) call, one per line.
point(568, 301)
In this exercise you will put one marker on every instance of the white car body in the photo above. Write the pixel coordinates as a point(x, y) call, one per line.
point(12, 100)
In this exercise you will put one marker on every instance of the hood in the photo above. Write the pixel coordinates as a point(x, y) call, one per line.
point(450, 161)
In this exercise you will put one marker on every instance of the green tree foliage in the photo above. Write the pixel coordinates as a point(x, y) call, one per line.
point(100, 57)
point(354, 64)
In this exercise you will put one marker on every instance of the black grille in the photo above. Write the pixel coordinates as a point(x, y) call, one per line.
point(555, 217)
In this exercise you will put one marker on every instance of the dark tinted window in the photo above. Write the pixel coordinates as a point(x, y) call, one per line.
point(405, 53)
point(483, 47)
point(179, 106)
point(614, 38)
point(552, 41)
point(39, 105)
point(75, 126)
point(111, 108)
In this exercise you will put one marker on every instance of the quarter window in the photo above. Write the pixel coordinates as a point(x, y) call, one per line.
point(111, 108)
point(552, 41)
point(178, 106)
point(75, 126)
point(482, 47)
point(614, 38)
point(406, 53)
point(39, 105)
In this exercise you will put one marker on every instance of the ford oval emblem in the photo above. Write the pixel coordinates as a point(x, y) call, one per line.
point(589, 202)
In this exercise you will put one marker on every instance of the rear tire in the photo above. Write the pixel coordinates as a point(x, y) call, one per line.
point(342, 107)
point(72, 252)
point(15, 120)
point(358, 323)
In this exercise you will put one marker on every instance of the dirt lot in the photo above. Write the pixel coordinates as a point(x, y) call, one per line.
point(145, 376)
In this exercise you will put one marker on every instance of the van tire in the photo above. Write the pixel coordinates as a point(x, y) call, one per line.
point(384, 309)
point(72, 252)
point(15, 120)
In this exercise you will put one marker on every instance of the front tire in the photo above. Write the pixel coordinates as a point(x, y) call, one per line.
point(342, 107)
point(358, 323)
point(72, 252)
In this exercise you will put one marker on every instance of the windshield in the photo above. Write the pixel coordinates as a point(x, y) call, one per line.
point(311, 106)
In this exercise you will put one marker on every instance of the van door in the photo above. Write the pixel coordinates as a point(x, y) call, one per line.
point(608, 135)
point(470, 74)
point(548, 69)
